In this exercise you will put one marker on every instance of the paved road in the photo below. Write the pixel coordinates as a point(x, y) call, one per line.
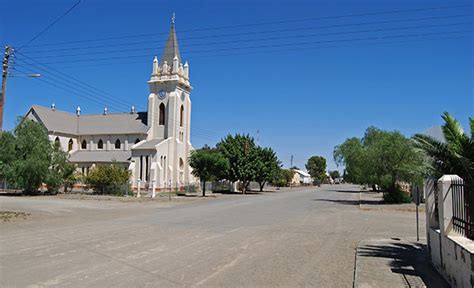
point(302, 237)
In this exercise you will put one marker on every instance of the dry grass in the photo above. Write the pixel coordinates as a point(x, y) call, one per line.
point(8, 216)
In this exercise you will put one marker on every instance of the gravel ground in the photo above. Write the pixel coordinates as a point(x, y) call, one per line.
point(296, 237)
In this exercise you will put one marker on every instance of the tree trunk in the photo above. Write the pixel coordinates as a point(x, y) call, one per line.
point(204, 189)
point(262, 184)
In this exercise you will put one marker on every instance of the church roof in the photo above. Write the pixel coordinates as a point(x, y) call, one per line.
point(171, 47)
point(93, 124)
point(100, 156)
point(149, 144)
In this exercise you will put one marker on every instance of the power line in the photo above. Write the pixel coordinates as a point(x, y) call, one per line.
point(260, 24)
point(266, 32)
point(272, 46)
point(267, 39)
point(87, 89)
point(50, 25)
point(271, 51)
point(91, 99)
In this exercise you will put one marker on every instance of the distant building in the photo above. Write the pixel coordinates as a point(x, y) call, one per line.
point(301, 177)
point(153, 145)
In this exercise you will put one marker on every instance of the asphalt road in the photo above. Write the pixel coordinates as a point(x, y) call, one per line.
point(302, 237)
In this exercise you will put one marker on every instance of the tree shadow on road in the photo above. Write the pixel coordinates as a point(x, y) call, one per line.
point(349, 202)
point(408, 259)
point(342, 191)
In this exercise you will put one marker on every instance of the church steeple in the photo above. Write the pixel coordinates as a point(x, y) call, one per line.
point(171, 48)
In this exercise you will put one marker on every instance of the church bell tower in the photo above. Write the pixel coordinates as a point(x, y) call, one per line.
point(169, 104)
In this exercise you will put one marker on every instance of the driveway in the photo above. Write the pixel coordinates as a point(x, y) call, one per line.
point(298, 237)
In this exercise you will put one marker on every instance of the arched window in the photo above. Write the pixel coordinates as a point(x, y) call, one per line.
point(69, 145)
point(84, 144)
point(162, 115)
point(181, 164)
point(100, 144)
point(117, 144)
point(181, 116)
point(56, 141)
point(137, 140)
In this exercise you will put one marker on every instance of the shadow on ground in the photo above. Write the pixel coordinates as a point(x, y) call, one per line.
point(350, 202)
point(408, 259)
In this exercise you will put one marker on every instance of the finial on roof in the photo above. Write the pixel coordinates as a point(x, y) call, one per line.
point(53, 107)
point(132, 111)
point(78, 111)
point(173, 18)
point(105, 110)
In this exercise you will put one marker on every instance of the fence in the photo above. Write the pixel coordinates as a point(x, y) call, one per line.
point(463, 208)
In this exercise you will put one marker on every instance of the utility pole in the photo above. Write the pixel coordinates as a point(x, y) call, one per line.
point(6, 60)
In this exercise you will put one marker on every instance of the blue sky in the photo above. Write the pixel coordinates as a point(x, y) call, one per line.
point(306, 89)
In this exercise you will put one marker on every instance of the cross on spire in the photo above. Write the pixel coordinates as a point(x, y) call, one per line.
point(173, 18)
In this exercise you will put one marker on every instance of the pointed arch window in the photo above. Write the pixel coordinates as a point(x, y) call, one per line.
point(57, 142)
point(162, 115)
point(69, 145)
point(84, 144)
point(100, 144)
point(181, 116)
point(137, 140)
point(117, 144)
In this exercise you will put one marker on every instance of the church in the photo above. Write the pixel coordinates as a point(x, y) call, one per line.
point(154, 145)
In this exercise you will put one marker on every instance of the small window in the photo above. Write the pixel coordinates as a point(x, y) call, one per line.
point(100, 144)
point(57, 142)
point(84, 144)
point(181, 116)
point(137, 140)
point(69, 145)
point(181, 164)
point(117, 144)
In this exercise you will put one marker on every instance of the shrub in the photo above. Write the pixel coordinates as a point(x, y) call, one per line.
point(395, 195)
point(109, 179)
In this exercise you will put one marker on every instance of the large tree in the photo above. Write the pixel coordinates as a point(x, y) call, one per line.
point(7, 154)
point(380, 157)
point(267, 166)
point(316, 167)
point(455, 155)
point(241, 152)
point(208, 164)
point(32, 155)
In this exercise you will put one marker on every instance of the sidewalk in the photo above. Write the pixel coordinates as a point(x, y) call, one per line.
point(394, 263)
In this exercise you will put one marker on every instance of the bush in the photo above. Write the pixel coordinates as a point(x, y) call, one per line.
point(395, 196)
point(109, 179)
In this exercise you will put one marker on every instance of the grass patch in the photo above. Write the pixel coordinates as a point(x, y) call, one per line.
point(7, 216)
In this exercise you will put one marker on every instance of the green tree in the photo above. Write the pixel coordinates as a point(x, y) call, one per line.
point(352, 155)
point(58, 166)
point(381, 157)
point(241, 152)
point(7, 154)
point(455, 155)
point(283, 177)
point(267, 166)
point(32, 155)
point(108, 179)
point(334, 174)
point(208, 164)
point(316, 167)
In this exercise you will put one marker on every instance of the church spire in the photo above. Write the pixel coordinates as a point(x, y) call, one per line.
point(171, 47)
